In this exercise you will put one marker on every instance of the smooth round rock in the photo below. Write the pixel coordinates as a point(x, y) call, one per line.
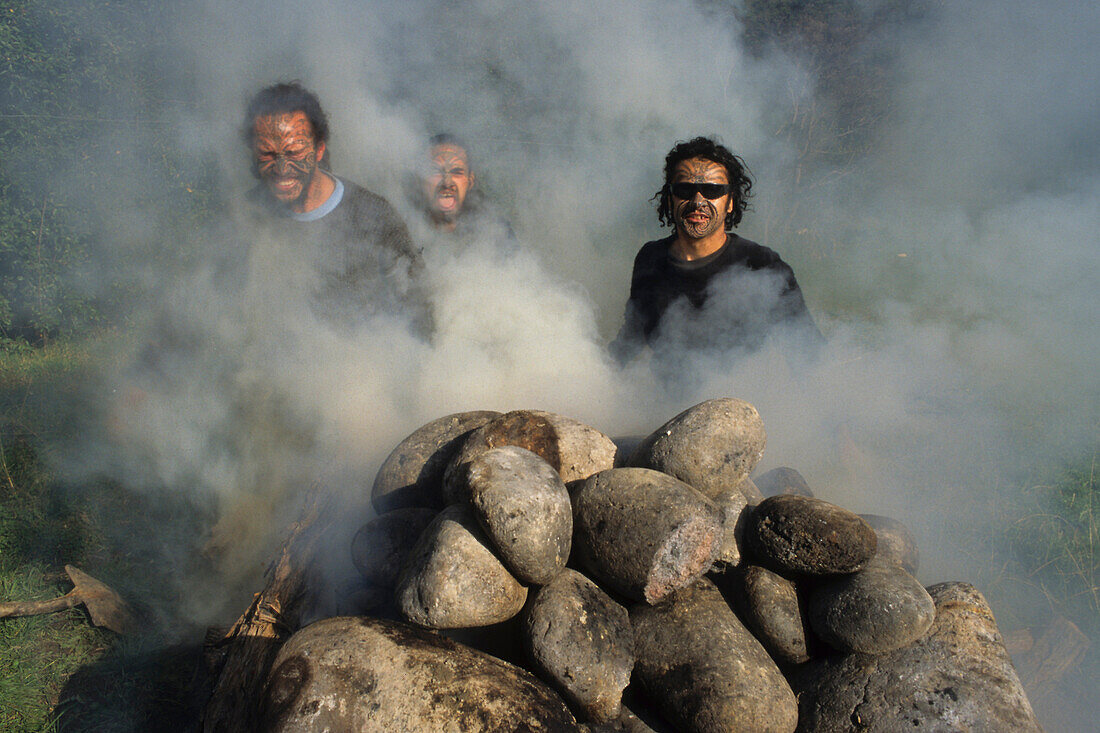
point(642, 532)
point(380, 546)
point(704, 669)
point(452, 579)
point(712, 446)
point(366, 674)
point(876, 610)
point(773, 610)
point(895, 542)
point(801, 535)
point(412, 474)
point(575, 450)
point(524, 508)
point(581, 639)
point(783, 480)
point(957, 678)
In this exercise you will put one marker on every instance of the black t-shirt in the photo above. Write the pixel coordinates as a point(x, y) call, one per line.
point(360, 255)
point(731, 299)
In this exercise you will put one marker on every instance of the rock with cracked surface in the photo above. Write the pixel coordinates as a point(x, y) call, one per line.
point(452, 579)
point(803, 536)
point(575, 450)
point(876, 610)
point(642, 532)
point(712, 446)
point(365, 674)
point(957, 678)
point(524, 508)
point(412, 474)
point(580, 638)
point(772, 608)
point(705, 670)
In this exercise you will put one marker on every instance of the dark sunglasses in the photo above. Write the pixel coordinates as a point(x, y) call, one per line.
point(687, 191)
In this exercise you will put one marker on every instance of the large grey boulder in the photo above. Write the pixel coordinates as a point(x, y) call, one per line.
point(957, 678)
point(705, 670)
point(712, 446)
point(581, 639)
point(575, 450)
point(772, 608)
point(642, 532)
point(365, 674)
point(524, 508)
point(452, 579)
point(380, 546)
point(876, 610)
point(801, 535)
point(412, 474)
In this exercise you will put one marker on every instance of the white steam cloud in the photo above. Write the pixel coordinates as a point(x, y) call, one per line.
point(957, 295)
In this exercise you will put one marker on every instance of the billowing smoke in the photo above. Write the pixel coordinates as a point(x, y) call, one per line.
point(950, 266)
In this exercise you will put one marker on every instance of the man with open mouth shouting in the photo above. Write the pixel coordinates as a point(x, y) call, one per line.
point(704, 286)
point(455, 209)
point(351, 242)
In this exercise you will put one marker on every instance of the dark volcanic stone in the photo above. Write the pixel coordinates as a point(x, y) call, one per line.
point(364, 674)
point(876, 610)
point(957, 678)
point(380, 546)
point(642, 532)
point(705, 670)
point(712, 446)
point(773, 610)
point(581, 639)
point(452, 579)
point(783, 480)
point(524, 507)
point(575, 450)
point(800, 535)
point(895, 542)
point(412, 475)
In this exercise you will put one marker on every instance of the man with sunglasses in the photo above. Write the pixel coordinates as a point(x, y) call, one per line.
point(704, 286)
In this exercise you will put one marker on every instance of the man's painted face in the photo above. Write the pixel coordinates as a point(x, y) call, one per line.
point(696, 215)
point(286, 154)
point(447, 182)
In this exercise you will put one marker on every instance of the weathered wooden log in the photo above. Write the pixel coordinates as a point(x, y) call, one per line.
point(241, 659)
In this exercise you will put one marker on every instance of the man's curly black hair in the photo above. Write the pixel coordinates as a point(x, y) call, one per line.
point(705, 147)
point(284, 98)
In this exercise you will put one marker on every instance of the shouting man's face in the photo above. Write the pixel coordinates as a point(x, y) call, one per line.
point(700, 197)
point(447, 182)
point(286, 155)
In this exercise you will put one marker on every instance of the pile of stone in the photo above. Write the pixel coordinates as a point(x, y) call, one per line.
point(527, 572)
